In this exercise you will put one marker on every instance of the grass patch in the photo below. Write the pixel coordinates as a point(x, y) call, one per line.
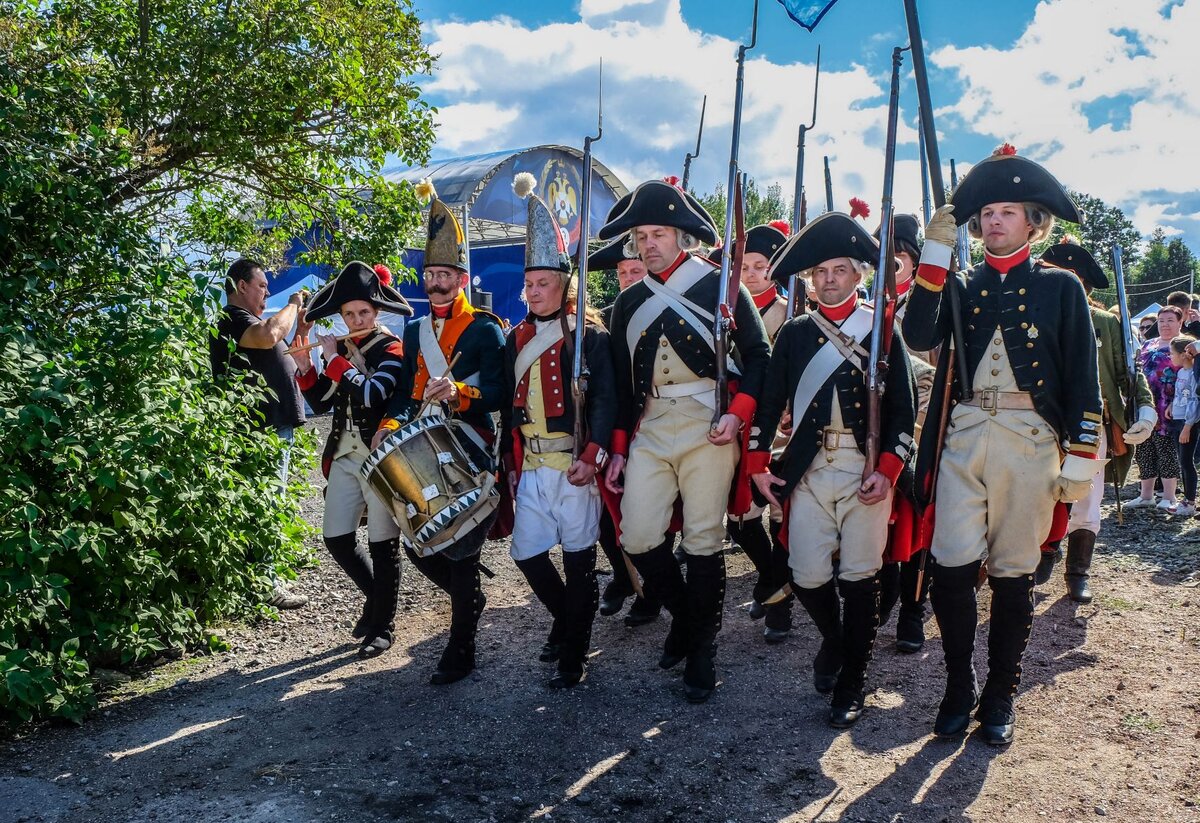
point(1140, 722)
point(1119, 604)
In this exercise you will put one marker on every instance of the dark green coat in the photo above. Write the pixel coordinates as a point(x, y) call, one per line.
point(1112, 379)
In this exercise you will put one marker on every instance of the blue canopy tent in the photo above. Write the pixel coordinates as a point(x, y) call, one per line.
point(479, 189)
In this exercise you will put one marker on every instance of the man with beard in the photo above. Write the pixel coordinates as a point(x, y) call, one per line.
point(475, 389)
point(665, 362)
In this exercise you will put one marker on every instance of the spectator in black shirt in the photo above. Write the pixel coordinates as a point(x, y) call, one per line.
point(244, 342)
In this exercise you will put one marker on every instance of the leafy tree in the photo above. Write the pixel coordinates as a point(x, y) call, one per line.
point(137, 501)
point(761, 207)
point(1167, 266)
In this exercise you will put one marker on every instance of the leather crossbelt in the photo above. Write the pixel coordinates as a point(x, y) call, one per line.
point(834, 439)
point(992, 399)
point(548, 445)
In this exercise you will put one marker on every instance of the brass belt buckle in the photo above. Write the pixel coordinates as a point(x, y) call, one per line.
point(989, 400)
point(833, 439)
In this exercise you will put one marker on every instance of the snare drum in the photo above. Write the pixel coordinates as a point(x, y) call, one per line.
point(438, 480)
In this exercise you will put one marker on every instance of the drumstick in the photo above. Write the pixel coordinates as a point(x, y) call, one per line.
point(339, 338)
point(453, 360)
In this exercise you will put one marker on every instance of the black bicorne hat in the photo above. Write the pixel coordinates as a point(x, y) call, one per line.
point(765, 239)
point(904, 234)
point(1077, 260)
point(830, 236)
point(357, 281)
point(1006, 177)
point(608, 256)
point(658, 203)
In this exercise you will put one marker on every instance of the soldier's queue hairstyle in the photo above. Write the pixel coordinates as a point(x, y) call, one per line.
point(686, 241)
point(240, 272)
point(1041, 220)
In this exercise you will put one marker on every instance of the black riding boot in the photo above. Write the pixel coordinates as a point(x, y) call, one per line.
point(952, 594)
point(860, 622)
point(779, 615)
point(889, 590)
point(620, 588)
point(662, 580)
point(466, 604)
point(824, 608)
point(356, 563)
point(1080, 545)
point(581, 596)
point(547, 587)
point(752, 536)
point(705, 602)
point(1047, 562)
point(385, 591)
point(1008, 635)
point(910, 621)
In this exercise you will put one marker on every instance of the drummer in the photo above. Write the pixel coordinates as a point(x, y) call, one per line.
point(557, 497)
point(360, 376)
point(453, 331)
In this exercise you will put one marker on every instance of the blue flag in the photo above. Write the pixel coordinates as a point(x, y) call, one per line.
point(807, 12)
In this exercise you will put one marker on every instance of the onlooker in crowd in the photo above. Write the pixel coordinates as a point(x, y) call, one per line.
point(245, 342)
point(1185, 412)
point(1186, 303)
point(1158, 457)
point(1145, 326)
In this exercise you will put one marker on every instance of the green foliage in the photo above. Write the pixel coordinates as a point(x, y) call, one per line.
point(761, 207)
point(1167, 266)
point(138, 504)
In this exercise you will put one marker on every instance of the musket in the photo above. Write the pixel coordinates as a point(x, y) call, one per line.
point(828, 187)
point(579, 369)
point(1128, 355)
point(731, 273)
point(884, 286)
point(917, 45)
point(687, 160)
point(926, 205)
point(795, 296)
point(962, 247)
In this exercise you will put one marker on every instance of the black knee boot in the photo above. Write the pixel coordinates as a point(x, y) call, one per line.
point(706, 603)
point(1008, 635)
point(952, 593)
point(752, 537)
point(549, 589)
point(1047, 562)
point(662, 580)
point(581, 596)
point(620, 588)
point(357, 565)
point(910, 621)
point(435, 567)
point(889, 590)
point(779, 615)
point(1080, 545)
point(860, 622)
point(466, 605)
point(824, 608)
point(385, 591)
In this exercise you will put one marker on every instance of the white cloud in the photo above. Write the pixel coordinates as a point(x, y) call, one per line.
point(458, 125)
point(596, 8)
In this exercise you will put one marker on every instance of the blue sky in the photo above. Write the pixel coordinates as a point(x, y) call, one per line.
point(1103, 92)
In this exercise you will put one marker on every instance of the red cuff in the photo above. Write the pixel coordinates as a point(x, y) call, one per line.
point(1083, 454)
point(307, 380)
point(337, 368)
point(743, 405)
point(931, 276)
point(890, 466)
point(620, 442)
point(591, 454)
point(757, 462)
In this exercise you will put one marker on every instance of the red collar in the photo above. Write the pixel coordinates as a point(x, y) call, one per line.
point(766, 298)
point(839, 313)
point(669, 270)
point(1006, 263)
point(902, 288)
point(450, 309)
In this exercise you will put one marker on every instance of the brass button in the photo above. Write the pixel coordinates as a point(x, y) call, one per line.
point(858, 405)
point(1029, 345)
point(995, 372)
point(995, 357)
point(689, 337)
point(978, 310)
point(1021, 307)
point(1024, 325)
point(681, 322)
point(1035, 364)
point(1035, 431)
point(983, 293)
point(1020, 291)
point(997, 342)
point(664, 357)
point(663, 342)
point(666, 371)
point(828, 459)
point(854, 372)
point(1041, 382)
point(820, 339)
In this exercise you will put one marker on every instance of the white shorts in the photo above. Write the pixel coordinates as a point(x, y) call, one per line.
point(346, 496)
point(550, 511)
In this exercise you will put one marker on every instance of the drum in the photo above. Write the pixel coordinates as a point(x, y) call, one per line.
point(437, 477)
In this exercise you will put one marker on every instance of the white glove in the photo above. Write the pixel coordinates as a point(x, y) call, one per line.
point(942, 228)
point(1141, 430)
point(1067, 490)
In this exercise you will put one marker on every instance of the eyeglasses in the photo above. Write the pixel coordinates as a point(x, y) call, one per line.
point(441, 275)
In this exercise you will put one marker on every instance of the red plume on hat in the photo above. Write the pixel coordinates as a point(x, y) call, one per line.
point(781, 226)
point(1006, 150)
point(672, 180)
point(859, 208)
point(384, 274)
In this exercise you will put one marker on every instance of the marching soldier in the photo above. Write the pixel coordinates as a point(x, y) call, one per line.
point(629, 271)
point(453, 329)
point(1116, 442)
point(664, 359)
point(819, 366)
point(557, 498)
point(764, 550)
point(1001, 467)
point(360, 377)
